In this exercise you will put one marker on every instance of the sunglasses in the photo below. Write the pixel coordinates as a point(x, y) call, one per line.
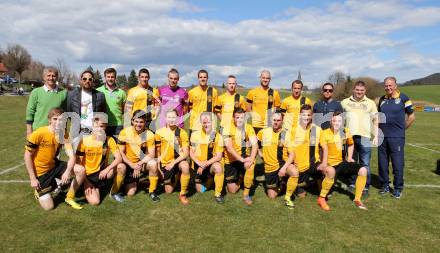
point(327, 90)
point(87, 79)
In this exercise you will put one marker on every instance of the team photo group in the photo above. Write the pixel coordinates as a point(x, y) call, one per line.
point(93, 142)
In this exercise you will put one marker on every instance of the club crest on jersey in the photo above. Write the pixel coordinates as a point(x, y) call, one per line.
point(397, 101)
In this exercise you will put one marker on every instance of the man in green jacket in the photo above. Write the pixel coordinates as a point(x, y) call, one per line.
point(43, 99)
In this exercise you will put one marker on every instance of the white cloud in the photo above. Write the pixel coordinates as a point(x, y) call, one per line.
point(349, 36)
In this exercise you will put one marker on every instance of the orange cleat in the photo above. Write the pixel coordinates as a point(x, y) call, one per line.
point(183, 199)
point(323, 204)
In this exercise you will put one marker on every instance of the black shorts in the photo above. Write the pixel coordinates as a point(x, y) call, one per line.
point(95, 181)
point(347, 169)
point(47, 181)
point(310, 174)
point(198, 179)
point(272, 180)
point(233, 171)
point(129, 179)
point(169, 175)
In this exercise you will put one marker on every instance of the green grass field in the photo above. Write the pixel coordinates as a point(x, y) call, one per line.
point(428, 93)
point(411, 224)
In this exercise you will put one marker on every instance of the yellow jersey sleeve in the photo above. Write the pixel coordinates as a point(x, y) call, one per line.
point(250, 96)
point(111, 143)
point(249, 130)
point(33, 141)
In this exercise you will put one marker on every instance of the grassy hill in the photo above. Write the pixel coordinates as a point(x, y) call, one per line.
point(428, 93)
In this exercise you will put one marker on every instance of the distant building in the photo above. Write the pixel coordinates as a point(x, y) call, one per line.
point(3, 70)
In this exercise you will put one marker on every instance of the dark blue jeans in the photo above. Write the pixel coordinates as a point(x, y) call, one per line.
point(362, 155)
point(391, 149)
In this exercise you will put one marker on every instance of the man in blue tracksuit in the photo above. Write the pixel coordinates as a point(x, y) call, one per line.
point(396, 115)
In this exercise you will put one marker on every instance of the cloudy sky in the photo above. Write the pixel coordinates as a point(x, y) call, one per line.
point(362, 38)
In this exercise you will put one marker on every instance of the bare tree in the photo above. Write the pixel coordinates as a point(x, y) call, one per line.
point(64, 72)
point(337, 78)
point(34, 72)
point(17, 59)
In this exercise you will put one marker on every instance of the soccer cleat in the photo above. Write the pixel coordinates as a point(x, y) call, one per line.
point(247, 200)
point(289, 203)
point(183, 199)
point(396, 194)
point(220, 199)
point(365, 193)
point(360, 205)
point(323, 204)
point(302, 195)
point(351, 188)
point(73, 204)
point(154, 197)
point(118, 197)
point(36, 195)
point(384, 190)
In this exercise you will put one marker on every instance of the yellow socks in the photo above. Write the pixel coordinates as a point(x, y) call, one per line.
point(117, 183)
point(360, 185)
point(292, 182)
point(184, 182)
point(153, 183)
point(327, 184)
point(218, 181)
point(70, 194)
point(248, 181)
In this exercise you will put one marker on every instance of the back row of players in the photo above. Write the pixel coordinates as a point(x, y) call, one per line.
point(292, 148)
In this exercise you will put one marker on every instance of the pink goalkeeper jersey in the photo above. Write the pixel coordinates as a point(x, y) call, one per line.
point(172, 99)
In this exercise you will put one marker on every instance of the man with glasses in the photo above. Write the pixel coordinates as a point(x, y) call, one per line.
point(324, 108)
point(86, 101)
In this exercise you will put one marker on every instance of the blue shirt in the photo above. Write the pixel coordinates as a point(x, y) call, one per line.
point(392, 117)
point(323, 111)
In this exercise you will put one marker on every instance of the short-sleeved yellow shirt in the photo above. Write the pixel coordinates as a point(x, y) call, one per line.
point(202, 142)
point(169, 144)
point(198, 101)
point(136, 145)
point(239, 139)
point(292, 106)
point(95, 153)
point(335, 144)
point(275, 149)
point(259, 99)
point(139, 98)
point(46, 148)
point(226, 104)
point(301, 139)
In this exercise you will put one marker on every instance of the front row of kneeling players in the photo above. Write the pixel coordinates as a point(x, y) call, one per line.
point(294, 157)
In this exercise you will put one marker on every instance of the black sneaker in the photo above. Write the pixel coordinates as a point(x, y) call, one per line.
point(365, 193)
point(384, 190)
point(154, 197)
point(397, 194)
point(351, 188)
point(220, 199)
